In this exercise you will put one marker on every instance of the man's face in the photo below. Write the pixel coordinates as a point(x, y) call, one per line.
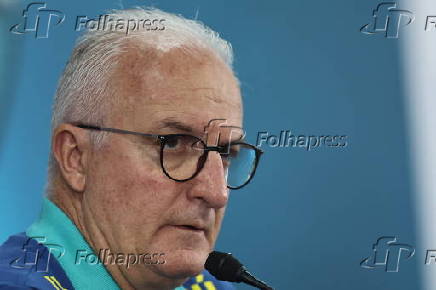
point(128, 199)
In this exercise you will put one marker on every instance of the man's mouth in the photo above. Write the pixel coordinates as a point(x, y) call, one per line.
point(190, 228)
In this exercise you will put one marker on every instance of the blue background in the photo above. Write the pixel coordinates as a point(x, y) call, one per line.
point(309, 217)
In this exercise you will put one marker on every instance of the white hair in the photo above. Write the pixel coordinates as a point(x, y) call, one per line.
point(83, 89)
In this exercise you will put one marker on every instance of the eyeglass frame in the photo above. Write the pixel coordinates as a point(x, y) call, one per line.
point(202, 159)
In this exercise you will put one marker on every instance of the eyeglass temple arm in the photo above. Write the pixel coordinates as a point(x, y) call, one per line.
point(113, 130)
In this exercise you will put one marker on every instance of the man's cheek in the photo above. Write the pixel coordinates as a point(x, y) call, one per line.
point(156, 182)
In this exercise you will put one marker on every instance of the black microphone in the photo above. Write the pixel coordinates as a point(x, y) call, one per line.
point(225, 267)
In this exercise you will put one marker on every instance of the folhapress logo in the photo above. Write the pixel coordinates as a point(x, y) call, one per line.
point(388, 19)
point(38, 20)
point(35, 257)
point(387, 253)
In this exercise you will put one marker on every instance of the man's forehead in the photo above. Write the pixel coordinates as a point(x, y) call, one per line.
point(190, 114)
point(191, 91)
point(188, 93)
point(187, 105)
point(137, 63)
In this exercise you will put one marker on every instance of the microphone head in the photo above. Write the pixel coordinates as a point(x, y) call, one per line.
point(224, 266)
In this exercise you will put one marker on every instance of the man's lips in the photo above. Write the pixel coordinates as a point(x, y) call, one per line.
point(190, 227)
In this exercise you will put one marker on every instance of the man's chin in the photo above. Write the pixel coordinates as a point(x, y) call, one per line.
point(181, 264)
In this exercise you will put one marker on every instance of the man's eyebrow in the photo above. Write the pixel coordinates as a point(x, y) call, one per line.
point(171, 123)
point(174, 124)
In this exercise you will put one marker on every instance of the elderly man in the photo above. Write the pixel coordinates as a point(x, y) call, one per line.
point(146, 143)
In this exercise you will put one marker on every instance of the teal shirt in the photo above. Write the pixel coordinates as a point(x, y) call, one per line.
point(57, 229)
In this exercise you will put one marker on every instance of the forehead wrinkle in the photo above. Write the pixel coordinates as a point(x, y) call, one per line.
point(210, 93)
point(207, 95)
point(169, 97)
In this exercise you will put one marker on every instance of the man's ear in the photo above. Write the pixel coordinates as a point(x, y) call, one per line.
point(71, 149)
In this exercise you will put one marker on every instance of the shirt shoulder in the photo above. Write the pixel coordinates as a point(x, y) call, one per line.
point(206, 281)
point(27, 264)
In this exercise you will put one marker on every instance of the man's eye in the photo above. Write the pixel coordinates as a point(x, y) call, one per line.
point(180, 143)
point(172, 143)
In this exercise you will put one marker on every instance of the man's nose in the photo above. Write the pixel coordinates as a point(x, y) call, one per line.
point(211, 184)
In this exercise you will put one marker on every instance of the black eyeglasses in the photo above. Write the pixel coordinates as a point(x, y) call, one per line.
point(182, 156)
